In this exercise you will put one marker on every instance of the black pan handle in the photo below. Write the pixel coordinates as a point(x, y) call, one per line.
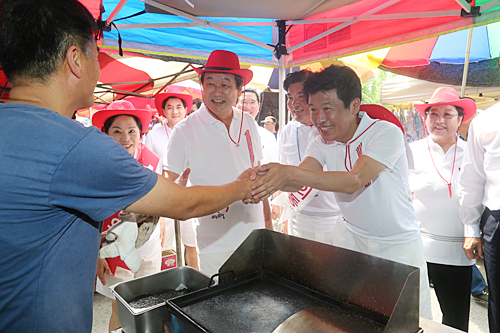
point(219, 274)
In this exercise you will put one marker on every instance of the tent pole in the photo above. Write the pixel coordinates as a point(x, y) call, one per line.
point(281, 95)
point(115, 12)
point(178, 245)
point(466, 64)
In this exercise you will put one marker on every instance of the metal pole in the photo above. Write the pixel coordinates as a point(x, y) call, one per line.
point(466, 65)
point(178, 245)
point(281, 96)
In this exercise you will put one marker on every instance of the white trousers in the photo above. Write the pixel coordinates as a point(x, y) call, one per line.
point(321, 237)
point(211, 262)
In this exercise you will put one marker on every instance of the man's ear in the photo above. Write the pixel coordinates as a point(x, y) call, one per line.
point(73, 59)
point(355, 105)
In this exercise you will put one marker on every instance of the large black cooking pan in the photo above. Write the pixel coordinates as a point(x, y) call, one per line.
point(275, 276)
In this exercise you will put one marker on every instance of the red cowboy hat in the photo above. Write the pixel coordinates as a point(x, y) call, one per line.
point(376, 111)
point(448, 96)
point(121, 108)
point(221, 61)
point(172, 91)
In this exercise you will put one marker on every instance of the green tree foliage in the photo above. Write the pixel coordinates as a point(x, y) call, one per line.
point(371, 88)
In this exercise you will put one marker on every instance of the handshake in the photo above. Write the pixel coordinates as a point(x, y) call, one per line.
point(262, 181)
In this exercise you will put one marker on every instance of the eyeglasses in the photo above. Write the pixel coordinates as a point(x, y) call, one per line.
point(252, 103)
point(435, 115)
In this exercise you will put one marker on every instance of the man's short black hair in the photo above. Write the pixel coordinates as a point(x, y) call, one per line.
point(341, 78)
point(198, 102)
point(296, 77)
point(35, 35)
point(170, 97)
point(238, 79)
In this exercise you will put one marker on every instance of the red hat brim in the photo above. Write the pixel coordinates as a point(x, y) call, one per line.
point(163, 96)
point(468, 105)
point(100, 117)
point(246, 74)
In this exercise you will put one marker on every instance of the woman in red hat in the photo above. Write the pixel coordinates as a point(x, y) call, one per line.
point(434, 185)
point(127, 125)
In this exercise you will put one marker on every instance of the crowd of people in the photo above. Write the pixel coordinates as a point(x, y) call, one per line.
point(79, 202)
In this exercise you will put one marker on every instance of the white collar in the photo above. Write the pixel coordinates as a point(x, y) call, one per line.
point(208, 119)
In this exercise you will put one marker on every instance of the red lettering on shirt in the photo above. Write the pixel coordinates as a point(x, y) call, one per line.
point(358, 150)
point(296, 197)
point(294, 201)
point(304, 192)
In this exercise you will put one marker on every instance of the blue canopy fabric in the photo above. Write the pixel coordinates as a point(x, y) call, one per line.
point(194, 44)
point(451, 48)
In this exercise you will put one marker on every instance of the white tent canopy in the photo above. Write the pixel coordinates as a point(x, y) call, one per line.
point(403, 89)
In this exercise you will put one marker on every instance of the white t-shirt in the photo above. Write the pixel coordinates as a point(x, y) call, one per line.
point(322, 212)
point(201, 142)
point(437, 213)
point(381, 210)
point(269, 146)
point(157, 140)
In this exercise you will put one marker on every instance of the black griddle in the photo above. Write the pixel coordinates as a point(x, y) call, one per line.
point(274, 276)
point(260, 302)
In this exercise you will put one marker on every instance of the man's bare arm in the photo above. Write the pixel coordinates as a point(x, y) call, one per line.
point(171, 200)
point(310, 173)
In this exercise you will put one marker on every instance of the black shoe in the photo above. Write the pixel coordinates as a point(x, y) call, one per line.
point(483, 296)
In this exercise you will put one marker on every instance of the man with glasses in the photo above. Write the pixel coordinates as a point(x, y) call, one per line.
point(249, 102)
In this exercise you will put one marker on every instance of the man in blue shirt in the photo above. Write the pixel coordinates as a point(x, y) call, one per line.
point(59, 178)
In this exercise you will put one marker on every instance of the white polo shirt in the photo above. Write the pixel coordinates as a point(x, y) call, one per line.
point(322, 212)
point(201, 142)
point(269, 146)
point(382, 210)
point(157, 140)
point(437, 213)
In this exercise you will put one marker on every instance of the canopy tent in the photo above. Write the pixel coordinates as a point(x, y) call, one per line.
point(281, 33)
point(402, 89)
point(315, 30)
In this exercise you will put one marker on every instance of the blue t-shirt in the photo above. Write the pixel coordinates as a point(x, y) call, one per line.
point(57, 179)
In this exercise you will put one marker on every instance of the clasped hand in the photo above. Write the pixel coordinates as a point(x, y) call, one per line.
point(263, 181)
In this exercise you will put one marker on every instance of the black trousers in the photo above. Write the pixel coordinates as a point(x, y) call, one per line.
point(452, 285)
point(491, 235)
